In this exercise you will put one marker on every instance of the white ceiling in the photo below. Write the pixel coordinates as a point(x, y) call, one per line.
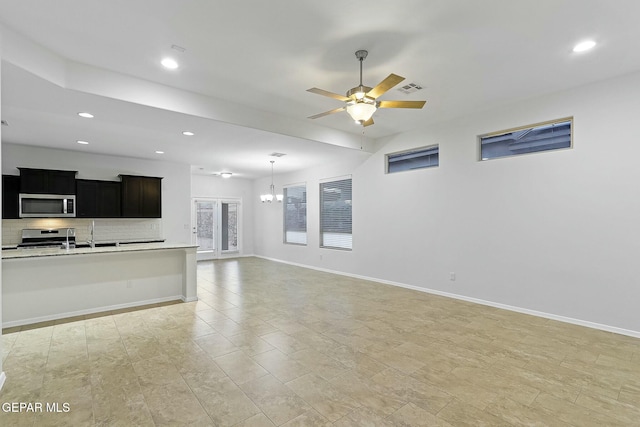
point(255, 59)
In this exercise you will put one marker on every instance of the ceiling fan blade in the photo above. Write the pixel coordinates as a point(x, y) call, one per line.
point(401, 104)
point(368, 122)
point(385, 85)
point(329, 94)
point(326, 113)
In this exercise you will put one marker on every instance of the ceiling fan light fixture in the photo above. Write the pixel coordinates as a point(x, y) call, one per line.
point(358, 93)
point(361, 111)
point(362, 101)
point(361, 92)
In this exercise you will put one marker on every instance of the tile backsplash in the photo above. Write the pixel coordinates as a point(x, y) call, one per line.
point(106, 230)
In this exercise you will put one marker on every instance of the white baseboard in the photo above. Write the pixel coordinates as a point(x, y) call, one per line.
point(231, 257)
point(192, 299)
point(58, 316)
point(579, 322)
point(3, 378)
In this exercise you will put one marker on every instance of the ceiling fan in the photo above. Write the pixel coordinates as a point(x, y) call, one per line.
point(361, 101)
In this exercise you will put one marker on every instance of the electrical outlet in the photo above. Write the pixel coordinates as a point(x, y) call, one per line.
point(452, 276)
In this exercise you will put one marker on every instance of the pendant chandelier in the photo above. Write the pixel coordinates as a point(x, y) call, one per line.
point(272, 190)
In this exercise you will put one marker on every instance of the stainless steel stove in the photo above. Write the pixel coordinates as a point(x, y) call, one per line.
point(48, 238)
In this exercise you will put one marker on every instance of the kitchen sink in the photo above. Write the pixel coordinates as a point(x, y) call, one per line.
point(98, 245)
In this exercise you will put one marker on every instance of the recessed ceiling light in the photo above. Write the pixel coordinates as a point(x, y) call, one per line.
point(159, 152)
point(83, 142)
point(169, 63)
point(226, 174)
point(584, 46)
point(188, 133)
point(86, 115)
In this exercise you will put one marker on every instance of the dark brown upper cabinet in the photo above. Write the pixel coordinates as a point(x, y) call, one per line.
point(98, 199)
point(141, 196)
point(47, 181)
point(10, 191)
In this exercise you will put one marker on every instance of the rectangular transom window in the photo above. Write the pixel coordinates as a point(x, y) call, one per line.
point(335, 214)
point(295, 214)
point(554, 135)
point(418, 158)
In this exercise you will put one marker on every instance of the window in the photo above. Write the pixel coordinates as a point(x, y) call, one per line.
point(546, 136)
point(295, 214)
point(413, 159)
point(335, 214)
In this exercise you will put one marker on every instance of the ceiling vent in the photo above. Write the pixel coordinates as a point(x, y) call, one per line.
point(277, 154)
point(5, 123)
point(410, 88)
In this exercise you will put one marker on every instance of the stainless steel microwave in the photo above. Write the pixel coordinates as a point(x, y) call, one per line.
point(47, 205)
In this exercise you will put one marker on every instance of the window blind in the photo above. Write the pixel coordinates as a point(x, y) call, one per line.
point(415, 159)
point(335, 214)
point(295, 214)
point(546, 136)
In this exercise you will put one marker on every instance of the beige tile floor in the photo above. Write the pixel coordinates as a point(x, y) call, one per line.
point(272, 344)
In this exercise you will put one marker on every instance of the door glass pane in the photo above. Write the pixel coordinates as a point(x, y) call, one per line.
point(295, 214)
point(205, 225)
point(229, 227)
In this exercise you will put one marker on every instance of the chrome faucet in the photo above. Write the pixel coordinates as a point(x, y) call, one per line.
point(65, 245)
point(92, 242)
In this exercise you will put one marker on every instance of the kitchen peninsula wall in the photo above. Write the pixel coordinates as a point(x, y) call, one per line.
point(106, 230)
point(174, 227)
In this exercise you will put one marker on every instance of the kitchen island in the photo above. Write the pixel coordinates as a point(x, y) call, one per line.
point(48, 284)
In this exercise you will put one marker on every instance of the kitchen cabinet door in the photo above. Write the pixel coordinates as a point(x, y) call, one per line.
point(141, 196)
point(10, 191)
point(47, 181)
point(97, 199)
point(86, 198)
point(109, 203)
point(62, 182)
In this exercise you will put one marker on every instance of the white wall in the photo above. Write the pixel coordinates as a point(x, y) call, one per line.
point(175, 183)
point(268, 220)
point(554, 232)
point(209, 186)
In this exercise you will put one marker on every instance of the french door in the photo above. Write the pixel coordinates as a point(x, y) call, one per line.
point(216, 227)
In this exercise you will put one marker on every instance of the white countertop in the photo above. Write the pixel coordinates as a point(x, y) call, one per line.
point(45, 252)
